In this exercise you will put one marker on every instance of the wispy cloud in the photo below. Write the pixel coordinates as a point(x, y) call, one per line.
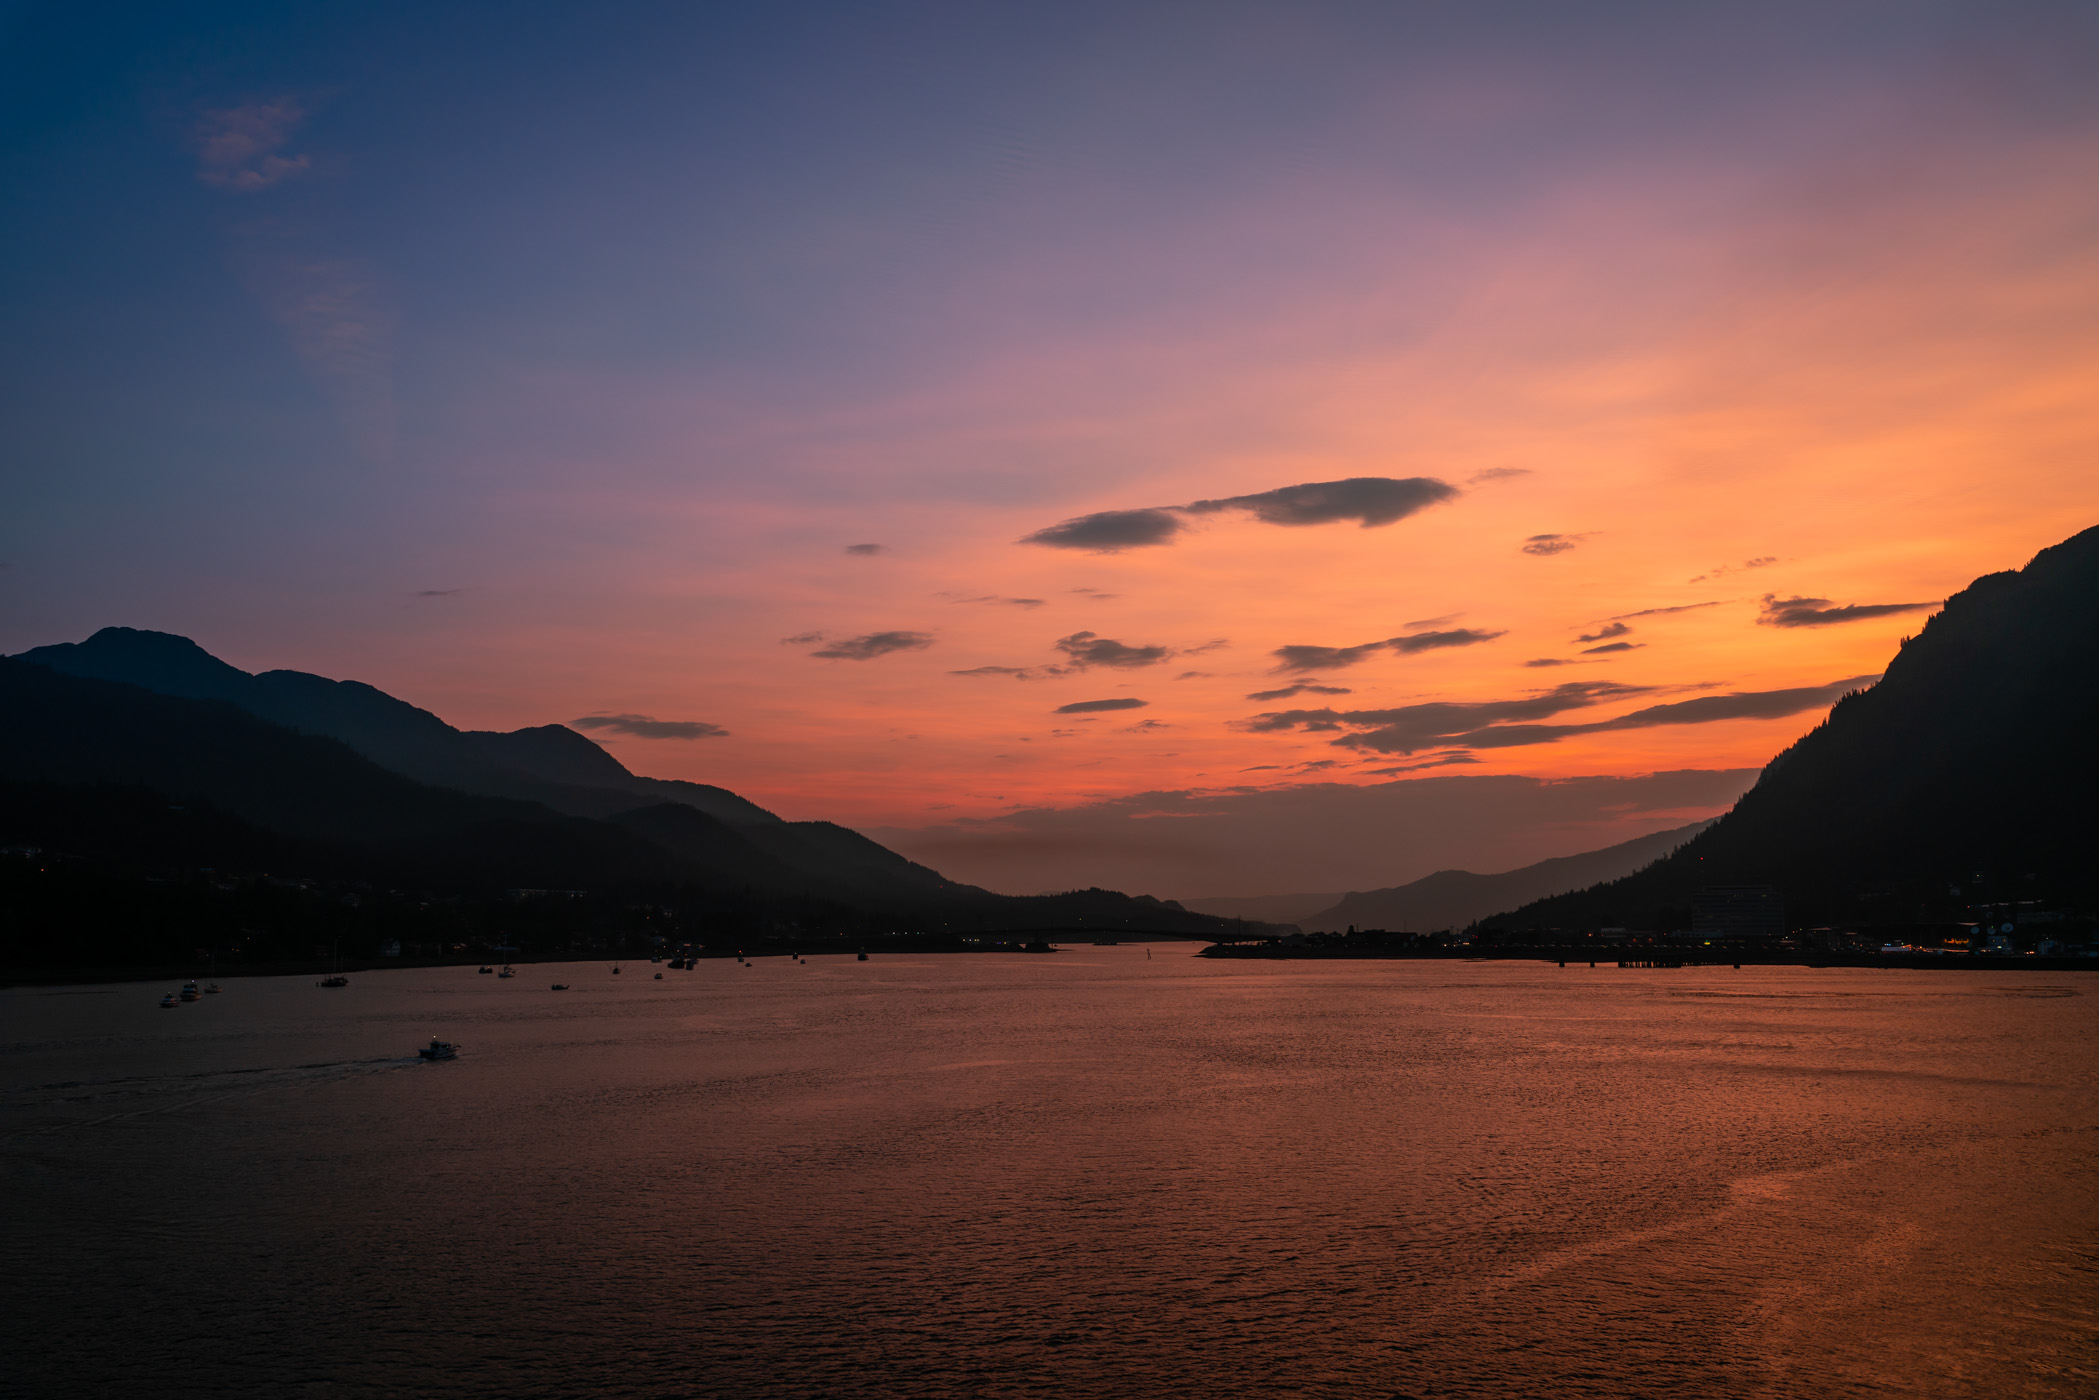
point(866, 549)
point(1301, 688)
point(1762, 562)
point(1820, 612)
point(1496, 474)
point(337, 312)
point(1318, 658)
point(238, 147)
point(865, 647)
point(648, 727)
point(1660, 612)
point(1500, 724)
point(1545, 546)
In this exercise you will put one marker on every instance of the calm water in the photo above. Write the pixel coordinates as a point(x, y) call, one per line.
point(1081, 1175)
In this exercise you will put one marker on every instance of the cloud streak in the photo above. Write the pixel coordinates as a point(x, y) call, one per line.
point(1369, 501)
point(867, 646)
point(237, 146)
point(1317, 658)
point(1086, 649)
point(1820, 612)
point(1501, 724)
point(1090, 707)
point(648, 727)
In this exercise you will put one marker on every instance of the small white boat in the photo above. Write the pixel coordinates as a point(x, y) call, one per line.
point(212, 990)
point(508, 971)
point(439, 1050)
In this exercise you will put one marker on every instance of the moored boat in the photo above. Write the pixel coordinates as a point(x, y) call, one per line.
point(170, 1000)
point(439, 1050)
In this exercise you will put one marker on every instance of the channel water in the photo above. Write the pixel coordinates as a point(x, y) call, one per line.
point(1099, 1172)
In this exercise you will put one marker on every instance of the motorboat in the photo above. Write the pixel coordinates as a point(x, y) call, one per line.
point(190, 992)
point(333, 980)
point(212, 990)
point(170, 1000)
point(558, 987)
point(615, 969)
point(863, 957)
point(439, 1050)
point(508, 971)
point(488, 969)
point(659, 977)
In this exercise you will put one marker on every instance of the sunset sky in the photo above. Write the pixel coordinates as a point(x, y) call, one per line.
point(838, 403)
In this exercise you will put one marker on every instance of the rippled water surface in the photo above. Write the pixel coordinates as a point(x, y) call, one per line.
point(1086, 1174)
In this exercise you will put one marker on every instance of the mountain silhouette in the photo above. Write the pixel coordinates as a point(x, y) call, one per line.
point(1966, 774)
point(149, 816)
point(569, 774)
point(1455, 898)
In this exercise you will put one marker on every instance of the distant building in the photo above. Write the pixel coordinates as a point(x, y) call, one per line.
point(1737, 911)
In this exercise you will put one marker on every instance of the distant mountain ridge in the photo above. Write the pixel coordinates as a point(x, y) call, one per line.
point(1453, 899)
point(549, 764)
point(1969, 772)
point(141, 810)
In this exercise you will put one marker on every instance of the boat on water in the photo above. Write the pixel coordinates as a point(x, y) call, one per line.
point(190, 992)
point(863, 957)
point(678, 963)
point(439, 1050)
point(170, 1000)
point(659, 977)
point(615, 969)
point(488, 969)
point(334, 978)
point(211, 990)
point(558, 987)
point(508, 971)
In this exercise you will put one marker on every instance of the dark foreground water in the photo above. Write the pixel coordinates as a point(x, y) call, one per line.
point(1079, 1175)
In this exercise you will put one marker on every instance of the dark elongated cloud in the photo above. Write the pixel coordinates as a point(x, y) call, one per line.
point(1301, 688)
point(1819, 612)
point(1088, 707)
point(1496, 474)
point(1432, 725)
point(1019, 672)
point(1706, 709)
point(1312, 658)
point(865, 549)
point(874, 644)
point(1501, 724)
point(1111, 531)
point(1545, 546)
point(1609, 647)
point(1085, 649)
point(646, 727)
point(1436, 641)
point(1368, 500)
point(1604, 634)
